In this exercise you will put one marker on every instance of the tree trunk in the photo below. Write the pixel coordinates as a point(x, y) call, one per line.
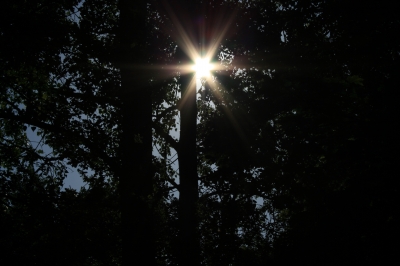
point(189, 247)
point(135, 183)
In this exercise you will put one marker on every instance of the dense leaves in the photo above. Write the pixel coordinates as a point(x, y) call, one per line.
point(296, 132)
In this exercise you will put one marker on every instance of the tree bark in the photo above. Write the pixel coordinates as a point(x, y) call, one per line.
point(189, 247)
point(135, 183)
point(188, 238)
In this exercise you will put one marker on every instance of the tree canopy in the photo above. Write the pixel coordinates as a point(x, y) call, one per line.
point(286, 154)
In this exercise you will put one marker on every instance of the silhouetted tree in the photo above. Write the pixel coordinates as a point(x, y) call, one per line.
point(286, 158)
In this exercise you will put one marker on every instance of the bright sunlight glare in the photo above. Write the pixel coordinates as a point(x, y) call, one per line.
point(202, 67)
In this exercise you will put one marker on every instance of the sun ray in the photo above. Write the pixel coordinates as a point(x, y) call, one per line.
point(202, 67)
point(194, 49)
point(182, 37)
point(184, 98)
point(222, 33)
point(201, 55)
point(216, 91)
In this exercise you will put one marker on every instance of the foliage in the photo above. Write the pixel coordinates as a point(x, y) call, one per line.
point(296, 136)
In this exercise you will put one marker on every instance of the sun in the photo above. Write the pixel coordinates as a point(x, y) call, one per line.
point(202, 67)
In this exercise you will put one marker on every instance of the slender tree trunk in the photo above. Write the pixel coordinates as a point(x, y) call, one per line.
point(135, 183)
point(189, 247)
point(189, 241)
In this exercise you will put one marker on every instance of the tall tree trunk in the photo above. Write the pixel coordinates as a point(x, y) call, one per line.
point(189, 245)
point(135, 184)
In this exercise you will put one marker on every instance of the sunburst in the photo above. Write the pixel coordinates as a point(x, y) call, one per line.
point(202, 67)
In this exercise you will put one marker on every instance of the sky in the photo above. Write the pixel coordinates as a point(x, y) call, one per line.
point(73, 179)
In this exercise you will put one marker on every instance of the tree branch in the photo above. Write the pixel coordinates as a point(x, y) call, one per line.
point(164, 112)
point(170, 140)
point(55, 129)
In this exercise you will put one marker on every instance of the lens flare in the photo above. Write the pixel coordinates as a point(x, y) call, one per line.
point(202, 67)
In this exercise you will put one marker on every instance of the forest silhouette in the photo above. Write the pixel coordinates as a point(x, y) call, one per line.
point(285, 155)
